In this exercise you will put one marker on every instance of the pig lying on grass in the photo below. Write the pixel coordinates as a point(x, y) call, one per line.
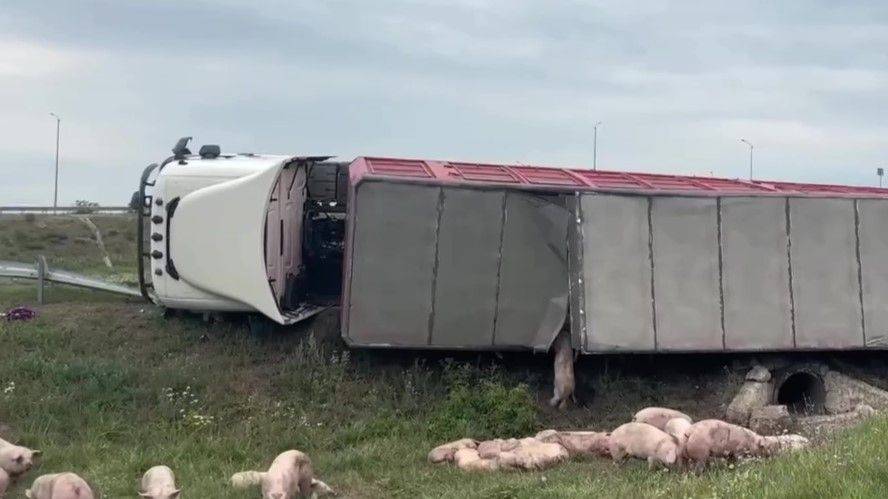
point(468, 459)
point(491, 455)
point(159, 483)
point(4, 482)
point(579, 443)
point(444, 453)
point(491, 449)
point(659, 416)
point(531, 454)
point(643, 441)
point(712, 438)
point(15, 459)
point(60, 486)
point(290, 475)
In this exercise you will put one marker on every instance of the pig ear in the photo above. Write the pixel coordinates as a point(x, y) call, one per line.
point(176, 493)
point(36, 453)
point(144, 494)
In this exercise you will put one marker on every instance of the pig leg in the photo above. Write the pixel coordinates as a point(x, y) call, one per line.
point(564, 371)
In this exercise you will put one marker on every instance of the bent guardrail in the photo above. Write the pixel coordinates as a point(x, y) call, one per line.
point(42, 273)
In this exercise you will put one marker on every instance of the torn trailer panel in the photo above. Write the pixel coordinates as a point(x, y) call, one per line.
point(450, 267)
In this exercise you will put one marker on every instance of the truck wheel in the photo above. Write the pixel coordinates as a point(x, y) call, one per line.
point(261, 327)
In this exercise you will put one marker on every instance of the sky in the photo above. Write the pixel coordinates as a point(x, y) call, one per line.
point(675, 85)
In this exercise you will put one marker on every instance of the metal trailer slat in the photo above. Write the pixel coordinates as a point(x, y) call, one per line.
point(686, 273)
point(825, 284)
point(616, 273)
point(755, 274)
point(873, 246)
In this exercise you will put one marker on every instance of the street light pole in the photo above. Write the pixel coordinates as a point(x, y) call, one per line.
point(55, 193)
point(595, 146)
point(750, 156)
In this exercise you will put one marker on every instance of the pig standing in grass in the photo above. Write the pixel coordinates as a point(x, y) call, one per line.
point(290, 475)
point(60, 486)
point(678, 429)
point(159, 483)
point(659, 416)
point(15, 459)
point(4, 482)
point(643, 441)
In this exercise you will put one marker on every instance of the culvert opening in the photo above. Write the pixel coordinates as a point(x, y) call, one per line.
point(802, 393)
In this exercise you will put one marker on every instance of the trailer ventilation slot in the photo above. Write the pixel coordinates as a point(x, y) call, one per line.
point(399, 167)
point(485, 173)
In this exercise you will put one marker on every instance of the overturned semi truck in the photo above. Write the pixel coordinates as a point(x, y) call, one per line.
point(449, 255)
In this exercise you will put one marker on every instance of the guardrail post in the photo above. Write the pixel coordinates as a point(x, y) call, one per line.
point(41, 278)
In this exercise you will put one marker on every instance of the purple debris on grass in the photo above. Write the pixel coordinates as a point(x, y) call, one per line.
point(20, 314)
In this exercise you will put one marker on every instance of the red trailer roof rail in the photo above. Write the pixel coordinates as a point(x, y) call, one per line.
point(565, 179)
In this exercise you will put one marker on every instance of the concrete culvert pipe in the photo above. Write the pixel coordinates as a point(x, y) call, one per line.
point(801, 390)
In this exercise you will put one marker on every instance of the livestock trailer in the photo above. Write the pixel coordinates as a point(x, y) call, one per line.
point(453, 255)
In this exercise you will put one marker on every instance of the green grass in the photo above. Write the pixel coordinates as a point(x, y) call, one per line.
point(69, 244)
point(107, 387)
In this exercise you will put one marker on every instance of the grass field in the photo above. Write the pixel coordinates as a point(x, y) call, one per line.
point(107, 387)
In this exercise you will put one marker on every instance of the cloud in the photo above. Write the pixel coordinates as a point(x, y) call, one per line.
point(676, 84)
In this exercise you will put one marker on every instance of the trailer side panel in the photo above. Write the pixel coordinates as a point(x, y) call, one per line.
point(824, 273)
point(533, 287)
point(686, 273)
point(873, 231)
point(393, 261)
point(617, 273)
point(755, 274)
point(468, 256)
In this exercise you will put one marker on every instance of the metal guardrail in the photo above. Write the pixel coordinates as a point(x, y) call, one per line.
point(41, 272)
point(65, 209)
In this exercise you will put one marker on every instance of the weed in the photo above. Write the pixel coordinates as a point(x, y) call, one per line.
point(483, 409)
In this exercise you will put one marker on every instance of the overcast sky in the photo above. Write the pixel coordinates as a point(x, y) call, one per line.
point(676, 84)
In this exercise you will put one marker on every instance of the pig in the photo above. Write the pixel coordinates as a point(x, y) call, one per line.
point(491, 449)
point(60, 486)
point(290, 475)
point(468, 459)
point(713, 438)
point(444, 453)
point(784, 443)
point(159, 483)
point(15, 459)
point(658, 416)
point(678, 428)
point(4, 482)
point(643, 441)
point(579, 443)
point(565, 383)
point(531, 454)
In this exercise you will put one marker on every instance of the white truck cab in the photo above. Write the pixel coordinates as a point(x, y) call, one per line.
point(223, 232)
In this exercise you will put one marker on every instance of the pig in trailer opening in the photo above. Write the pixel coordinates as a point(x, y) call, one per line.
point(450, 255)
